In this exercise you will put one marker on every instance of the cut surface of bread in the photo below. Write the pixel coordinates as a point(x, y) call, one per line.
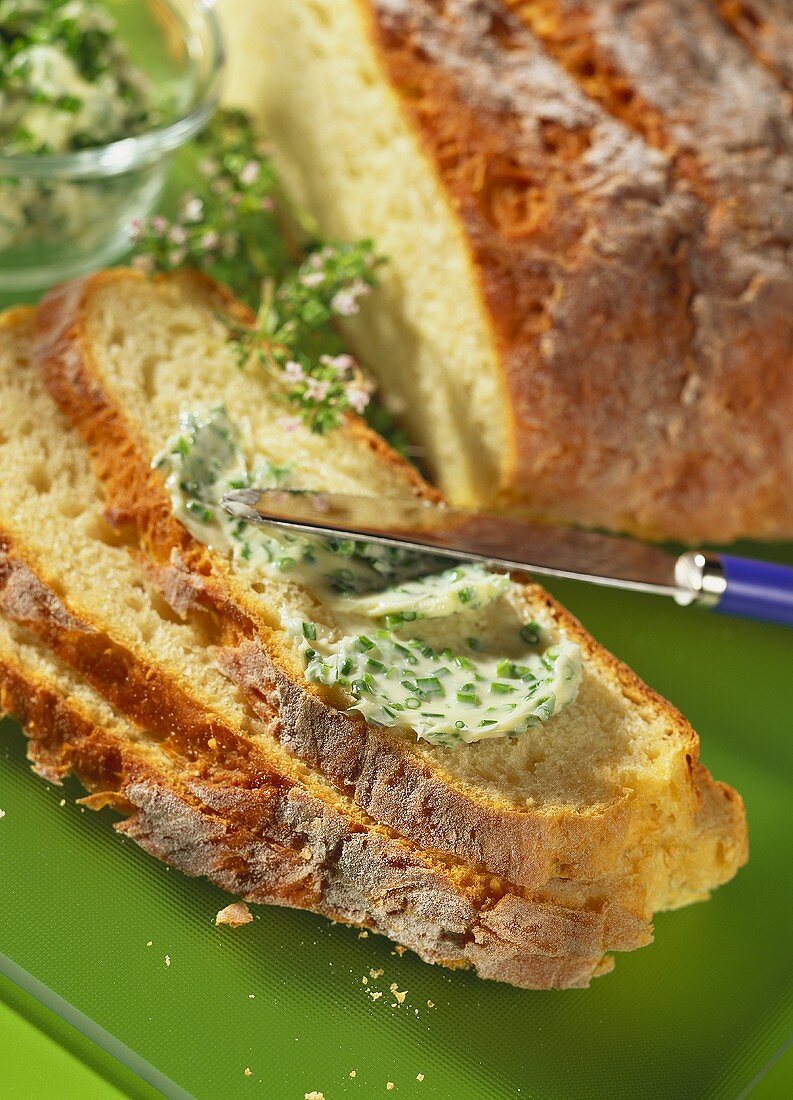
point(114, 688)
point(610, 785)
point(587, 309)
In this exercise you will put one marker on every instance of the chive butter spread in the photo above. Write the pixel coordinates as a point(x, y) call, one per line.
point(446, 654)
point(66, 81)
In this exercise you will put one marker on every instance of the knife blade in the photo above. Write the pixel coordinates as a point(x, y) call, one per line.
point(727, 584)
point(464, 536)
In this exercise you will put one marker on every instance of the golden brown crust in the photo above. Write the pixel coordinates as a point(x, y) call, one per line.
point(766, 27)
point(639, 294)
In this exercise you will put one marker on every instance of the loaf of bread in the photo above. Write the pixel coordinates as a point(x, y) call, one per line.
point(587, 825)
point(587, 212)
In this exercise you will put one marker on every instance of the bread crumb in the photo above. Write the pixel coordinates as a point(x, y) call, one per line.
point(2, 813)
point(400, 997)
point(212, 744)
point(363, 935)
point(247, 1071)
point(399, 950)
point(235, 915)
point(376, 973)
point(430, 1004)
point(306, 853)
point(251, 996)
point(167, 960)
point(62, 802)
point(365, 980)
point(353, 1073)
point(375, 996)
point(419, 1076)
point(389, 1085)
point(314, 1096)
point(150, 943)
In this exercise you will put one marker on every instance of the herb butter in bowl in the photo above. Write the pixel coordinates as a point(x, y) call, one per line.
point(95, 95)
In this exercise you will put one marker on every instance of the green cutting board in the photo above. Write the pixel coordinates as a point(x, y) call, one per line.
point(699, 1014)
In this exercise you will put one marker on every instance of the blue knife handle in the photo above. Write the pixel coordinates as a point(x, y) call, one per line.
point(756, 590)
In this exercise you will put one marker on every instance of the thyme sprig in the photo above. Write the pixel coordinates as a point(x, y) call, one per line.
point(231, 227)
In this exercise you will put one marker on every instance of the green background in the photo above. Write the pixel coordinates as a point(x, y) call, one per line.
point(700, 1013)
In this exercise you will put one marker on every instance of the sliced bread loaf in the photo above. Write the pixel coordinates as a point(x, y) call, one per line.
point(586, 309)
point(610, 785)
point(171, 743)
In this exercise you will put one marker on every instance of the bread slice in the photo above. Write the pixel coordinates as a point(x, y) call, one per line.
point(113, 688)
point(587, 307)
point(611, 786)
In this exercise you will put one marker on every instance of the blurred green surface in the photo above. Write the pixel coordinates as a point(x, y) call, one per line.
point(698, 1014)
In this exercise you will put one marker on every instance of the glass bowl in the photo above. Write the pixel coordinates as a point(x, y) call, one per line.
point(65, 214)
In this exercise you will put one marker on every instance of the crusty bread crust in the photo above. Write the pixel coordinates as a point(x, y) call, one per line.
point(629, 247)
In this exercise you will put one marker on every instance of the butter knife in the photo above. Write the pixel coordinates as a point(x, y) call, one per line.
point(727, 584)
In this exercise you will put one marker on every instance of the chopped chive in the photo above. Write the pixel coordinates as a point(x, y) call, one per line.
point(429, 685)
point(365, 643)
point(465, 595)
point(530, 633)
point(474, 643)
point(310, 632)
point(285, 564)
point(505, 668)
point(501, 689)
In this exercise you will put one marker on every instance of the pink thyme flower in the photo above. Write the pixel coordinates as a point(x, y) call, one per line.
point(341, 364)
point(135, 229)
point(250, 173)
point(317, 389)
point(357, 398)
point(312, 279)
point(208, 166)
point(344, 303)
point(177, 234)
point(294, 371)
point(268, 204)
point(315, 260)
point(192, 210)
point(210, 241)
point(159, 225)
point(177, 257)
point(289, 423)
